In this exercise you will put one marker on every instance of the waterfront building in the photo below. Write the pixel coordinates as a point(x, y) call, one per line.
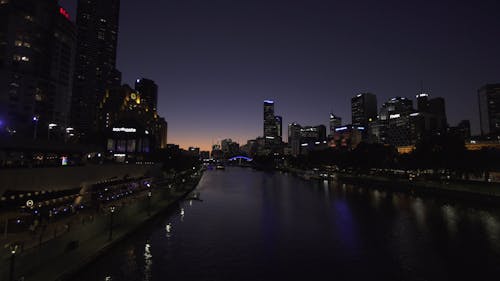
point(279, 129)
point(294, 138)
point(97, 25)
point(489, 109)
point(37, 48)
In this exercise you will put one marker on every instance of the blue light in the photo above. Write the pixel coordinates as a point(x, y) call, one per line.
point(268, 101)
point(241, 157)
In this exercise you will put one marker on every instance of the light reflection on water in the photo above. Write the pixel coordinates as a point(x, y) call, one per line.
point(263, 226)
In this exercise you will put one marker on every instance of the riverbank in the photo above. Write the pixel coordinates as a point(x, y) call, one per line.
point(63, 257)
point(458, 189)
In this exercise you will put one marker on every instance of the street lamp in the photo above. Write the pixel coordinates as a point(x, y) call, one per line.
point(13, 249)
point(150, 194)
point(111, 212)
point(36, 118)
point(51, 127)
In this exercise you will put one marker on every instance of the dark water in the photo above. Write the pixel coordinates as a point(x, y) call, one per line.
point(270, 226)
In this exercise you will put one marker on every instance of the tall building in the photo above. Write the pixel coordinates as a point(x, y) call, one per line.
point(37, 46)
point(364, 109)
point(279, 128)
point(149, 93)
point(489, 109)
point(393, 125)
point(97, 24)
point(335, 122)
point(270, 129)
point(294, 138)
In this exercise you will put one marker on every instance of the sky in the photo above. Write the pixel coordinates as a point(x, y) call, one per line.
point(216, 61)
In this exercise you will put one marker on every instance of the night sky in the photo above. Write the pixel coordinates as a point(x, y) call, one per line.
point(216, 61)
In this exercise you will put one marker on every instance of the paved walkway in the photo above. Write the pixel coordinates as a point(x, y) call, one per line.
point(60, 256)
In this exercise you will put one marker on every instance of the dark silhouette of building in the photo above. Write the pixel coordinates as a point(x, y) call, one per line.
point(149, 92)
point(364, 109)
point(335, 122)
point(489, 109)
point(279, 128)
point(37, 43)
point(270, 130)
point(97, 23)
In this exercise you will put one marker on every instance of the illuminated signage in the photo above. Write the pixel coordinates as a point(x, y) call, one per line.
point(65, 13)
point(64, 161)
point(268, 101)
point(125, 130)
point(340, 129)
point(394, 116)
point(119, 155)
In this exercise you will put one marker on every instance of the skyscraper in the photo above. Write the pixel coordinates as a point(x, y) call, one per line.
point(97, 23)
point(364, 109)
point(270, 130)
point(37, 43)
point(335, 122)
point(489, 109)
point(279, 128)
point(149, 93)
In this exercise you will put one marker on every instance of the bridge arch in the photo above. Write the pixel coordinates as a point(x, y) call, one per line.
point(248, 159)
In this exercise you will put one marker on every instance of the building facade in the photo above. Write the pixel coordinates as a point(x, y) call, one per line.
point(97, 25)
point(37, 48)
point(364, 109)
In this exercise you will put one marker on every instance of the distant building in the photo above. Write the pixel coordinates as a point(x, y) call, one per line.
point(335, 122)
point(37, 50)
point(270, 130)
point(462, 130)
point(229, 148)
point(348, 137)
point(364, 109)
point(194, 151)
point(279, 128)
point(294, 138)
point(97, 24)
point(216, 152)
point(393, 125)
point(489, 109)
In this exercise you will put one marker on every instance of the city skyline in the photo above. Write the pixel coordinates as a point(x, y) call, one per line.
point(210, 102)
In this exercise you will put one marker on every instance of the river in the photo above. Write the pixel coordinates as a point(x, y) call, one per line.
point(253, 225)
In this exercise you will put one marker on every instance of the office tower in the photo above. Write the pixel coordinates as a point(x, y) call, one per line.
point(335, 122)
point(294, 138)
point(422, 102)
point(270, 130)
point(149, 93)
point(37, 43)
point(393, 125)
point(97, 26)
point(430, 116)
point(279, 128)
point(364, 109)
point(489, 109)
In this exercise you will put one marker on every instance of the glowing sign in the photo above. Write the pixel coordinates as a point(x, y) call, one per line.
point(268, 101)
point(65, 13)
point(126, 130)
point(394, 116)
point(64, 161)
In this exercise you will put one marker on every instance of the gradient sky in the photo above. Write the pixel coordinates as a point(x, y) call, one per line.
point(216, 61)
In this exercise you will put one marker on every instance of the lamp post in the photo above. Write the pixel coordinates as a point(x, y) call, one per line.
point(13, 249)
point(111, 213)
point(150, 194)
point(36, 118)
point(50, 128)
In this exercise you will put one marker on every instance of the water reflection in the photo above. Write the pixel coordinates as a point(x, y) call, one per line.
point(270, 226)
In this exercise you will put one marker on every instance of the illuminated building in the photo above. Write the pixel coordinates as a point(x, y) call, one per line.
point(37, 41)
point(97, 23)
point(489, 109)
point(393, 125)
point(364, 109)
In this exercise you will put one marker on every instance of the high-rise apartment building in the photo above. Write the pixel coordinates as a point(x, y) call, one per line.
point(97, 24)
point(270, 129)
point(37, 46)
point(489, 109)
point(149, 93)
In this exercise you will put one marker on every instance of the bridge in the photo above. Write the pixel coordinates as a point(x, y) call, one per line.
point(239, 158)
